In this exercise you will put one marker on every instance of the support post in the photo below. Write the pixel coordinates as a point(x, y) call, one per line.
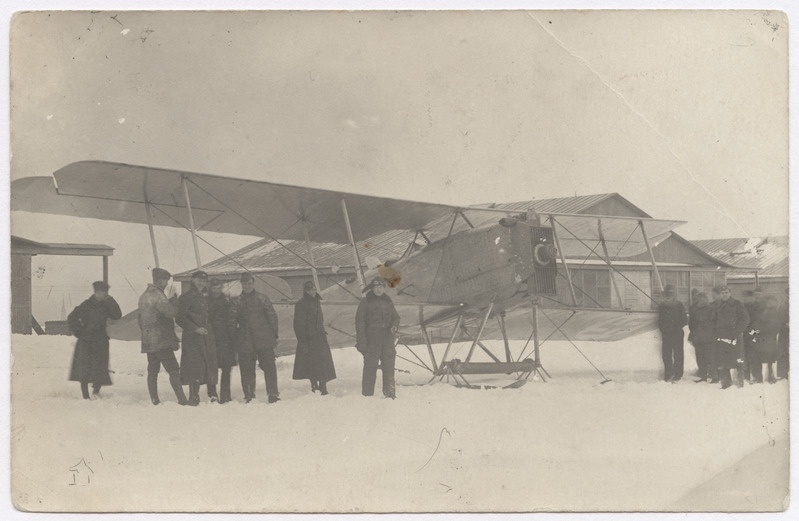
point(310, 257)
point(610, 266)
point(757, 280)
point(480, 332)
point(357, 258)
point(651, 255)
point(501, 320)
point(191, 222)
point(149, 211)
point(563, 260)
point(429, 347)
point(105, 269)
point(451, 340)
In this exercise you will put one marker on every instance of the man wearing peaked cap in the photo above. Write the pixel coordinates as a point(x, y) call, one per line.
point(730, 320)
point(257, 339)
point(198, 364)
point(671, 320)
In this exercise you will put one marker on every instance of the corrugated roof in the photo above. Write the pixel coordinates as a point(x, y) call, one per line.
point(769, 255)
point(267, 255)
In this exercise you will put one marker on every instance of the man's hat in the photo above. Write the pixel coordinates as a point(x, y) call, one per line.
point(199, 274)
point(160, 274)
point(100, 285)
point(247, 277)
point(668, 290)
point(215, 282)
point(378, 282)
point(723, 288)
point(308, 285)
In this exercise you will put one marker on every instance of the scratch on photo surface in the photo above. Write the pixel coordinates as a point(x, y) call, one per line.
point(440, 436)
point(722, 209)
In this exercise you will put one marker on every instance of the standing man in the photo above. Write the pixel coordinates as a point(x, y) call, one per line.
point(257, 323)
point(730, 320)
point(764, 329)
point(223, 323)
point(198, 356)
point(376, 324)
point(671, 320)
point(312, 360)
point(700, 327)
point(753, 302)
point(158, 338)
point(784, 337)
point(88, 323)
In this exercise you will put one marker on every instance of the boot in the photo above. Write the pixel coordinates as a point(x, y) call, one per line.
point(212, 393)
point(174, 380)
point(84, 390)
point(314, 386)
point(152, 387)
point(194, 394)
point(249, 392)
point(323, 387)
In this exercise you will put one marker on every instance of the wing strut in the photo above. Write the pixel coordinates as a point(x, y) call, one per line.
point(191, 221)
point(358, 267)
point(610, 265)
point(310, 256)
point(563, 260)
point(651, 255)
point(149, 212)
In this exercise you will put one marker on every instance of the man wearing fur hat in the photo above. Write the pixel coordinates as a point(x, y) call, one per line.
point(376, 324)
point(158, 338)
point(88, 323)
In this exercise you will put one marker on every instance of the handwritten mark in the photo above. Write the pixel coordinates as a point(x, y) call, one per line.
point(440, 436)
point(79, 469)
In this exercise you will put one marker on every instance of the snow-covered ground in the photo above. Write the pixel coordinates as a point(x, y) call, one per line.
point(569, 444)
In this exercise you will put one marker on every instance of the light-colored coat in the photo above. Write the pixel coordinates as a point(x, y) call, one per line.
point(156, 321)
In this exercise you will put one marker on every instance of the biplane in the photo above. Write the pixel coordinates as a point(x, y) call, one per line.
point(493, 275)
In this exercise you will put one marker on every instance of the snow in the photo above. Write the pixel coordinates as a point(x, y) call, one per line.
point(568, 444)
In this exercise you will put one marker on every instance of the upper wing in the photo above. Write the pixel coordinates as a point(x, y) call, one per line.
point(116, 191)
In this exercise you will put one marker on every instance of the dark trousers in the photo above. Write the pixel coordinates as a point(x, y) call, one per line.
point(167, 359)
point(673, 353)
point(224, 384)
point(385, 356)
point(705, 359)
point(266, 361)
point(84, 389)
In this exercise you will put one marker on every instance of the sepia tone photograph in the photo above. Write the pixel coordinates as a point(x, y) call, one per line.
point(349, 261)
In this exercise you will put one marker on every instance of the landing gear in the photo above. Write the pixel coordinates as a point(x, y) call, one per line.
point(458, 370)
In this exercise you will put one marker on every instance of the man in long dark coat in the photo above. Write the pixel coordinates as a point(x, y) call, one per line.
point(376, 324)
point(753, 302)
point(783, 340)
point(198, 355)
point(730, 320)
point(257, 339)
point(223, 323)
point(700, 326)
point(671, 321)
point(158, 338)
point(765, 328)
point(88, 323)
point(313, 360)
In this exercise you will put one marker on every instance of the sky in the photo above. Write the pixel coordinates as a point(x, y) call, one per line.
point(683, 113)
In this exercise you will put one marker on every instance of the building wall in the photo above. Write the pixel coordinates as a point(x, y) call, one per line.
point(775, 286)
point(21, 295)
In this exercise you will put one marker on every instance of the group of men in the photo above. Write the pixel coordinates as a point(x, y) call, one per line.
point(726, 334)
point(219, 332)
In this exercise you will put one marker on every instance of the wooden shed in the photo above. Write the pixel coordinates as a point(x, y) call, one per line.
point(22, 251)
